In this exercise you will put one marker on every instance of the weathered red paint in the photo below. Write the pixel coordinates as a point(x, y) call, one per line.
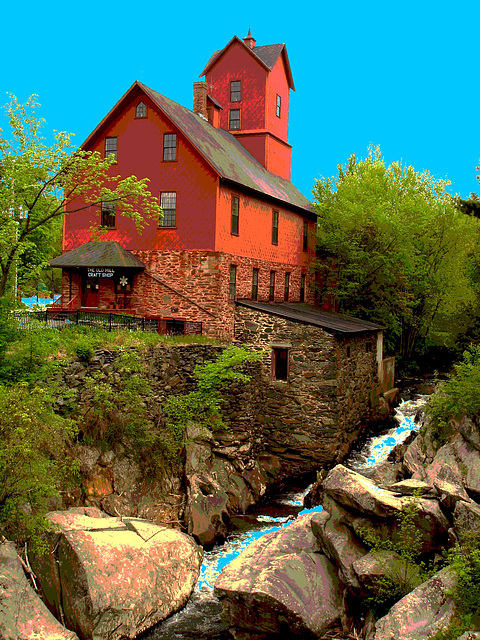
point(261, 131)
point(187, 267)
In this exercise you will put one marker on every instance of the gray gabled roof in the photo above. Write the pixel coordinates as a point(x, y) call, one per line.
point(307, 314)
point(267, 55)
point(98, 254)
point(227, 156)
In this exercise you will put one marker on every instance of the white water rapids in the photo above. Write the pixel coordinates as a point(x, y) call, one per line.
point(200, 619)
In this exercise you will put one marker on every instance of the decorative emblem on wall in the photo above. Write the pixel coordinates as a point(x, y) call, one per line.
point(123, 281)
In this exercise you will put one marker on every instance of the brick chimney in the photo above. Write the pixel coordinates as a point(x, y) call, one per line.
point(249, 40)
point(200, 99)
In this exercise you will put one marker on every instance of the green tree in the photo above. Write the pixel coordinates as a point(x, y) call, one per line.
point(34, 460)
point(39, 183)
point(397, 250)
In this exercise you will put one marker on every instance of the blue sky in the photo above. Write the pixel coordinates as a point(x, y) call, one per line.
point(400, 75)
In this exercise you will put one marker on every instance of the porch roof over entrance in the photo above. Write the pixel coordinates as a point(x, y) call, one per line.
point(98, 254)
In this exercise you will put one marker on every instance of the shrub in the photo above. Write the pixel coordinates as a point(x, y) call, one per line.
point(458, 396)
point(204, 404)
point(34, 462)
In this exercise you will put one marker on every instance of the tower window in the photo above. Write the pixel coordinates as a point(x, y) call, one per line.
point(111, 148)
point(169, 147)
point(302, 287)
point(108, 215)
point(232, 289)
point(235, 214)
point(305, 236)
point(141, 110)
point(255, 284)
point(234, 119)
point(168, 202)
point(235, 91)
point(278, 106)
point(274, 227)
point(271, 293)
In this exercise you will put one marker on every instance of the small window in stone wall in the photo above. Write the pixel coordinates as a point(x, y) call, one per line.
point(368, 346)
point(279, 363)
point(348, 352)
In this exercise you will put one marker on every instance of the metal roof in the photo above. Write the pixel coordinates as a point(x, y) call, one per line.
point(227, 156)
point(267, 55)
point(98, 254)
point(308, 314)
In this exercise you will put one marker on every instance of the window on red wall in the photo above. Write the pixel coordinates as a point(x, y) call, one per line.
point(232, 290)
point(234, 122)
point(278, 106)
point(305, 236)
point(141, 110)
point(108, 215)
point(111, 148)
point(168, 202)
point(255, 284)
point(235, 214)
point(169, 147)
point(235, 91)
point(271, 293)
point(274, 227)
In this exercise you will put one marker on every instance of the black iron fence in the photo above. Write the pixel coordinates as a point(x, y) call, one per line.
point(108, 321)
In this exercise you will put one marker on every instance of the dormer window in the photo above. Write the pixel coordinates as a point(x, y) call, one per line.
point(234, 119)
point(111, 148)
point(279, 106)
point(141, 110)
point(235, 91)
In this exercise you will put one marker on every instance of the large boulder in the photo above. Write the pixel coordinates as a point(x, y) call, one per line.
point(339, 543)
point(23, 615)
point(374, 508)
point(281, 585)
point(420, 614)
point(457, 462)
point(114, 578)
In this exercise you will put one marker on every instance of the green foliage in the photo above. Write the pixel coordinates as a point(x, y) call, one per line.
point(34, 462)
point(203, 405)
point(465, 560)
point(396, 251)
point(458, 396)
point(404, 574)
point(38, 184)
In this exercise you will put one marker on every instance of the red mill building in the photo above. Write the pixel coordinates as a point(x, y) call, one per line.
point(234, 226)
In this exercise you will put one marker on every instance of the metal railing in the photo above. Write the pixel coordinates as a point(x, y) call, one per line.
point(59, 318)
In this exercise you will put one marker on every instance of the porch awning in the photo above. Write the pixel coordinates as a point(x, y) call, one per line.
point(98, 254)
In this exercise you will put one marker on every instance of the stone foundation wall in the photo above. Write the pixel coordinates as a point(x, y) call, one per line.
point(313, 417)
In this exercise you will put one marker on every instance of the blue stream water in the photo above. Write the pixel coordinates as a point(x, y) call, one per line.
point(200, 619)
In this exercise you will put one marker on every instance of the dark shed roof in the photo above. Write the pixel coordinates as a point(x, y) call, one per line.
point(98, 254)
point(307, 314)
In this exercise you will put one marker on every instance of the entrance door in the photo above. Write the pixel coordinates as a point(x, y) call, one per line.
point(90, 293)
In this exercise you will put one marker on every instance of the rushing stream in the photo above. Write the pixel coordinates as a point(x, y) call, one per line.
point(200, 619)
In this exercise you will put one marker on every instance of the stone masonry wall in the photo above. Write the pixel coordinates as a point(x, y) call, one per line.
point(311, 419)
point(196, 285)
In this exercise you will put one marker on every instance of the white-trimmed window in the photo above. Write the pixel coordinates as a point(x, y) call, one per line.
point(169, 147)
point(111, 148)
point(234, 122)
point(141, 110)
point(168, 202)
